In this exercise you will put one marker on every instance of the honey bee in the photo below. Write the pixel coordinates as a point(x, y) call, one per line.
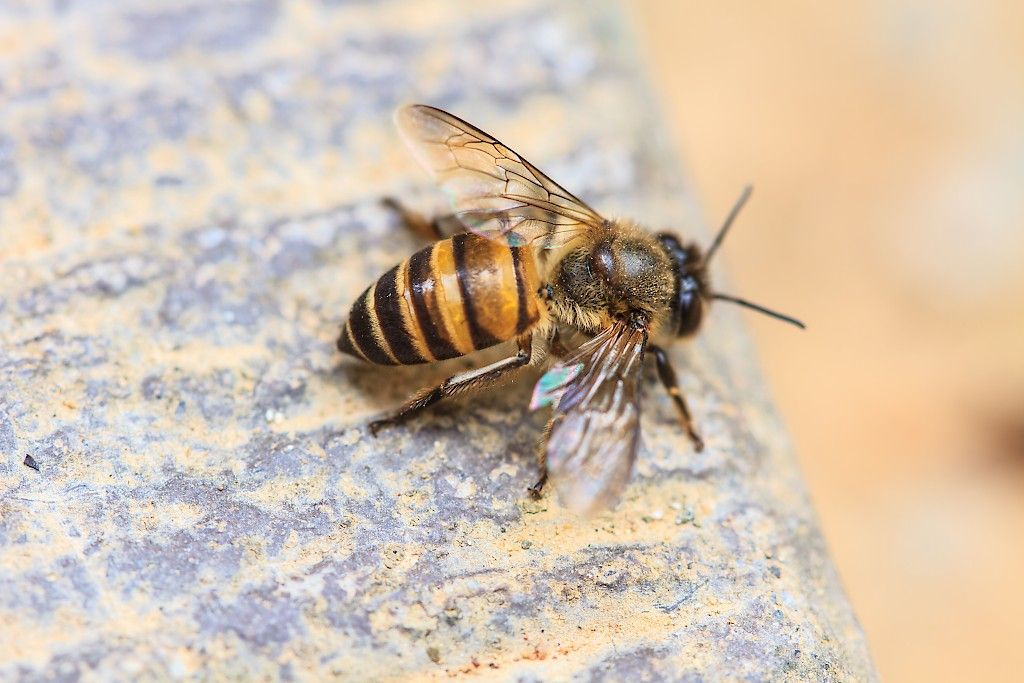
point(533, 262)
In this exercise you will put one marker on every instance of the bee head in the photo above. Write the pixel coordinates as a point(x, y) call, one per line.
point(690, 287)
point(692, 291)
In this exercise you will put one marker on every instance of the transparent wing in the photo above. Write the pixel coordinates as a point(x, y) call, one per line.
point(595, 429)
point(496, 192)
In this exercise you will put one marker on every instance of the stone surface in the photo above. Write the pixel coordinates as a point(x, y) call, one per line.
point(189, 201)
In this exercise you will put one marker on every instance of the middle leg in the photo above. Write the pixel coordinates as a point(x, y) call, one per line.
point(667, 374)
point(542, 460)
point(557, 350)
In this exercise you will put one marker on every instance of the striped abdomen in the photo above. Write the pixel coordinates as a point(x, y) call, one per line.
point(456, 296)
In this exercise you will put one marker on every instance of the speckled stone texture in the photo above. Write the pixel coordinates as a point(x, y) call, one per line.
point(189, 202)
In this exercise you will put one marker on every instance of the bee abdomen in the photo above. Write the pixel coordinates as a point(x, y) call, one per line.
point(456, 296)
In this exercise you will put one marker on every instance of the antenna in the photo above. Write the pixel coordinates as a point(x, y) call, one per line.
point(759, 309)
point(744, 196)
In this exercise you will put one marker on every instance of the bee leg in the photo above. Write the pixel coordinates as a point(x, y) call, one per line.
point(432, 230)
point(667, 374)
point(542, 460)
point(538, 487)
point(456, 384)
point(555, 347)
point(557, 350)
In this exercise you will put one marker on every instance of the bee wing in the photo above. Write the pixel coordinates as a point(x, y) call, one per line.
point(496, 192)
point(595, 429)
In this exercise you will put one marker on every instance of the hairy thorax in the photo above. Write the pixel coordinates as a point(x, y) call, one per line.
point(622, 274)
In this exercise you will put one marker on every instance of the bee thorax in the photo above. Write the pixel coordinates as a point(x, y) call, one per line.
point(619, 276)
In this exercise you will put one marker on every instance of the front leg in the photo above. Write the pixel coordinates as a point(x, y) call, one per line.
point(456, 384)
point(555, 346)
point(667, 374)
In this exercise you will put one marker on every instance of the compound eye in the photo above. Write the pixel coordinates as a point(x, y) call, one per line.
point(691, 308)
point(603, 261)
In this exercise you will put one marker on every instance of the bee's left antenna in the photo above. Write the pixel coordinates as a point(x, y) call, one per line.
point(744, 196)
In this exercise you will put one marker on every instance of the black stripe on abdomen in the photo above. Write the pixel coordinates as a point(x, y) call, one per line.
point(481, 337)
point(523, 321)
point(421, 283)
point(360, 324)
point(387, 304)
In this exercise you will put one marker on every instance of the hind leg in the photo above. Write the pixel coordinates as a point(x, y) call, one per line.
point(462, 382)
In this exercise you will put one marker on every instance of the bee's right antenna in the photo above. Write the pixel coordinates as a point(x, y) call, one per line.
point(744, 196)
point(728, 222)
point(759, 308)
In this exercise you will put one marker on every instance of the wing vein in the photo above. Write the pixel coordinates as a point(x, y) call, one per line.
point(486, 172)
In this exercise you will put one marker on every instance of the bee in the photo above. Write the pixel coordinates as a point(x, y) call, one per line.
point(531, 263)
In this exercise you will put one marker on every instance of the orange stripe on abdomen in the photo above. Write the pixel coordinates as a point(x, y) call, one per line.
point(449, 313)
point(487, 278)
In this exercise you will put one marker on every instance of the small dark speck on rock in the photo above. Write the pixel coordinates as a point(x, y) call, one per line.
point(776, 572)
point(526, 544)
point(31, 462)
point(685, 517)
point(434, 654)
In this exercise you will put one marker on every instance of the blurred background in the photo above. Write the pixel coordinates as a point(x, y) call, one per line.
point(886, 143)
